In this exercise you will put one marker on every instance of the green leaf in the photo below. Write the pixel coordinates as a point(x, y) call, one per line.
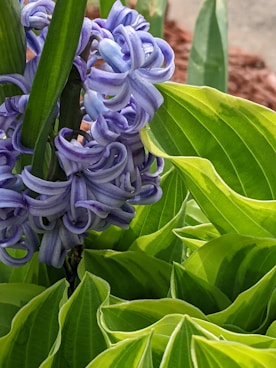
point(80, 338)
point(196, 236)
point(271, 331)
point(134, 353)
point(163, 243)
point(226, 209)
point(254, 340)
point(217, 354)
point(178, 350)
point(12, 41)
point(208, 61)
point(12, 298)
point(33, 272)
point(34, 329)
point(154, 11)
point(137, 275)
point(254, 309)
point(240, 262)
point(236, 135)
point(126, 319)
point(188, 286)
point(60, 46)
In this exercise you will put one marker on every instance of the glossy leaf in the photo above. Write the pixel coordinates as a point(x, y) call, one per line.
point(122, 319)
point(241, 312)
point(208, 61)
point(12, 50)
point(137, 275)
point(12, 298)
point(186, 285)
point(226, 209)
point(240, 262)
point(34, 329)
point(236, 135)
point(32, 272)
point(217, 354)
point(60, 46)
point(178, 349)
point(134, 353)
point(80, 338)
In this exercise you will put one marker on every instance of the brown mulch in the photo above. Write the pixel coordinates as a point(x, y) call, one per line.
point(249, 76)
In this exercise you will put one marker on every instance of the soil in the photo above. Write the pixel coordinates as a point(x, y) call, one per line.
point(249, 76)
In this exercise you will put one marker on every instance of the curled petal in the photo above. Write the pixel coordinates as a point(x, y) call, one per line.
point(93, 104)
point(145, 94)
point(52, 250)
point(120, 14)
point(36, 14)
point(122, 216)
point(148, 195)
point(16, 79)
point(41, 186)
point(106, 82)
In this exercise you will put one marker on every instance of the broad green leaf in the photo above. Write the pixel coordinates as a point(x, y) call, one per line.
point(208, 61)
point(12, 41)
point(186, 285)
point(33, 272)
point(60, 46)
point(154, 11)
point(233, 263)
point(254, 309)
point(12, 298)
point(163, 243)
point(236, 135)
point(34, 329)
point(178, 350)
point(254, 340)
point(137, 275)
point(80, 339)
point(127, 318)
point(134, 353)
point(217, 354)
point(271, 331)
point(226, 209)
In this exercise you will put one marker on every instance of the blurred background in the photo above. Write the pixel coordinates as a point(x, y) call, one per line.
point(252, 24)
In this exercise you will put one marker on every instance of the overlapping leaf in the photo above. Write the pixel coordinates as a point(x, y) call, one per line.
point(134, 353)
point(137, 274)
point(80, 339)
point(34, 329)
point(217, 354)
point(236, 135)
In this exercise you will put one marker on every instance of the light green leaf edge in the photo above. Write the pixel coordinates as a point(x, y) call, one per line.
point(134, 353)
point(217, 354)
point(227, 210)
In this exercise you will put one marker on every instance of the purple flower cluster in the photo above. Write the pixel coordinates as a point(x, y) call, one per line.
point(106, 169)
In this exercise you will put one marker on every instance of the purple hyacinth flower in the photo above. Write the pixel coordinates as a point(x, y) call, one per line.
point(133, 64)
point(37, 14)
